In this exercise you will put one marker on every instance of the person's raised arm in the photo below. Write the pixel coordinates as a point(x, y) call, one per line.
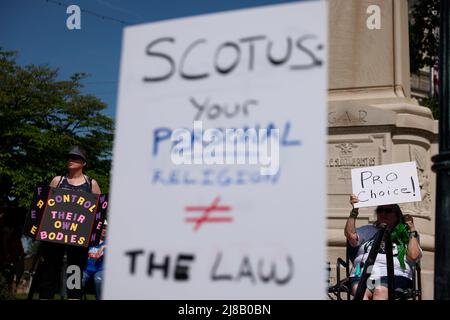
point(350, 225)
point(414, 251)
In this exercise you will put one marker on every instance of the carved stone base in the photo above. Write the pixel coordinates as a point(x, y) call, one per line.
point(377, 134)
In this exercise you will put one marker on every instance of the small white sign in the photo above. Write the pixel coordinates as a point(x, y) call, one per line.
point(386, 184)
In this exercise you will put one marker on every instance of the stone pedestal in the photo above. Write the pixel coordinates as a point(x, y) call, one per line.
point(373, 121)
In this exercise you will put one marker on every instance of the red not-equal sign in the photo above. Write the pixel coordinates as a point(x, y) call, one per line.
point(207, 211)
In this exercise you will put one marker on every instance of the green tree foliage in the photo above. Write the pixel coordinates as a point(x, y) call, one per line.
point(40, 118)
point(4, 292)
point(423, 34)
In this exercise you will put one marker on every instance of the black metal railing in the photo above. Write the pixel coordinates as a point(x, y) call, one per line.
point(362, 285)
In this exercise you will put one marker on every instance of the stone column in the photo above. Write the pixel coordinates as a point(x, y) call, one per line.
point(372, 119)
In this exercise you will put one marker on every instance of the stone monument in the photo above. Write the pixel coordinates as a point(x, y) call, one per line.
point(371, 118)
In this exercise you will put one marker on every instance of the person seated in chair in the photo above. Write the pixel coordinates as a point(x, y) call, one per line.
point(405, 246)
point(94, 268)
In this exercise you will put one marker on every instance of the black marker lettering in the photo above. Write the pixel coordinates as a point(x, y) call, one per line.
point(245, 270)
point(362, 177)
point(214, 111)
point(183, 60)
point(133, 255)
point(315, 61)
point(214, 275)
point(376, 178)
point(286, 56)
point(251, 57)
point(359, 197)
point(164, 266)
point(289, 274)
point(161, 55)
point(201, 107)
point(394, 178)
point(235, 111)
point(405, 190)
point(247, 104)
point(225, 70)
point(181, 270)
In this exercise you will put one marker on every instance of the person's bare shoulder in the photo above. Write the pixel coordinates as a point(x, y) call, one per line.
point(55, 181)
point(95, 187)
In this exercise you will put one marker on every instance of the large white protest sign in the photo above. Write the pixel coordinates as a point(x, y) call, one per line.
point(386, 184)
point(214, 228)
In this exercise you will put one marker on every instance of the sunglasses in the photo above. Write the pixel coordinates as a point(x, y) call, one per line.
point(385, 210)
point(74, 157)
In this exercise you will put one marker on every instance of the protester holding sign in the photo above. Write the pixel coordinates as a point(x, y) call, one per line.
point(405, 247)
point(53, 253)
point(75, 179)
point(388, 183)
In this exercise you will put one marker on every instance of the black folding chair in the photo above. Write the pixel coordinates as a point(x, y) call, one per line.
point(343, 284)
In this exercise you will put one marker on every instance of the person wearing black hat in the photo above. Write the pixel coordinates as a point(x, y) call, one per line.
point(53, 253)
point(76, 179)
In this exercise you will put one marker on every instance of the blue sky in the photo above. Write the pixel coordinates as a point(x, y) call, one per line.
point(37, 30)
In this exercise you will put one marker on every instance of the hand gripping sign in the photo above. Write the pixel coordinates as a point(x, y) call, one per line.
point(66, 216)
point(386, 184)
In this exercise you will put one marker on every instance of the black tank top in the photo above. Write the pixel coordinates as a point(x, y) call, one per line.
point(86, 186)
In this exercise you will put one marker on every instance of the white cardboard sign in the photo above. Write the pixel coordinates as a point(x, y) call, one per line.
point(386, 184)
point(211, 231)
